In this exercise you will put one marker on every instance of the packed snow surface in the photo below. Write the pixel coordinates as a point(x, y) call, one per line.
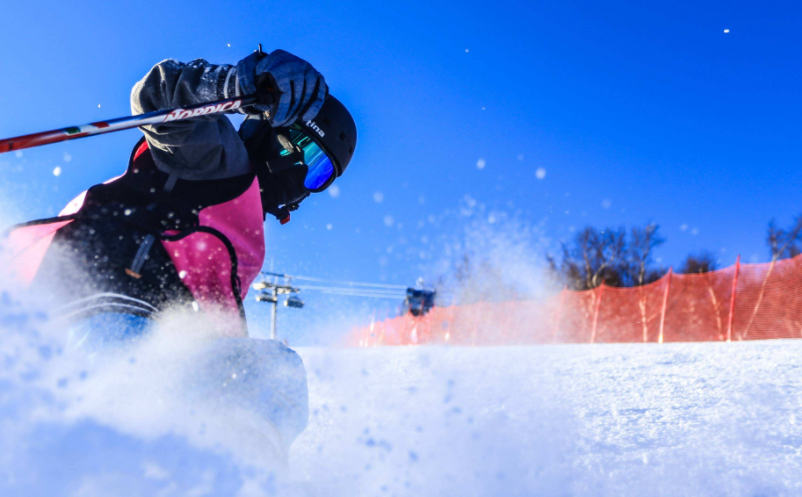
point(709, 419)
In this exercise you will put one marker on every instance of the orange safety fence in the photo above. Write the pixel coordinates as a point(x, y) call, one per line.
point(741, 302)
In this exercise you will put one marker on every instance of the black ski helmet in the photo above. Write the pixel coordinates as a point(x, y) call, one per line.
point(334, 130)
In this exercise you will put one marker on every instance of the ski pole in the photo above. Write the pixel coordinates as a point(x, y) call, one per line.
point(101, 127)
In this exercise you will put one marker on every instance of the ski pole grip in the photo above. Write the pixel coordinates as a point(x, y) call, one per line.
point(267, 97)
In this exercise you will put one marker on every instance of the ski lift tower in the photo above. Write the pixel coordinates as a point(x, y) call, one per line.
point(416, 301)
point(270, 291)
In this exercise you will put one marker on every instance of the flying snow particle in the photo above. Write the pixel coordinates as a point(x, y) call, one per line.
point(684, 227)
point(695, 231)
point(67, 157)
point(153, 471)
point(98, 106)
point(726, 30)
point(606, 203)
point(334, 191)
point(229, 45)
point(388, 220)
point(18, 154)
point(57, 171)
point(520, 156)
point(540, 173)
point(378, 197)
point(329, 226)
point(466, 50)
point(480, 164)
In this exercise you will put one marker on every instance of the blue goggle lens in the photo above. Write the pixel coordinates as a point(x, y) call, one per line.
point(319, 173)
point(319, 167)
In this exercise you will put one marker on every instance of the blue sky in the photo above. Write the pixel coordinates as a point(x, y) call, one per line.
point(635, 111)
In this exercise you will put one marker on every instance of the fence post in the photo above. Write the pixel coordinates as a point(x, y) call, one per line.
point(475, 309)
point(556, 326)
point(665, 306)
point(507, 319)
point(596, 314)
point(732, 297)
point(450, 322)
point(371, 331)
point(380, 341)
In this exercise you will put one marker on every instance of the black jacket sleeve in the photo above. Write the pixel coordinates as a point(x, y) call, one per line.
point(201, 148)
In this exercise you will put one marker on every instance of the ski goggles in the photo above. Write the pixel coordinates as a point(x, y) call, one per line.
point(320, 170)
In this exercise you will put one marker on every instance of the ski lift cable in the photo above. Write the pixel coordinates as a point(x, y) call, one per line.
point(367, 292)
point(361, 294)
point(341, 291)
point(353, 289)
point(321, 280)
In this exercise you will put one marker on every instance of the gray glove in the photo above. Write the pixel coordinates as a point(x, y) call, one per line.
point(298, 90)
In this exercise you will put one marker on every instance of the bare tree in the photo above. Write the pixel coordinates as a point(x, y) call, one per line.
point(609, 256)
point(642, 243)
point(702, 262)
point(641, 247)
point(593, 257)
point(782, 243)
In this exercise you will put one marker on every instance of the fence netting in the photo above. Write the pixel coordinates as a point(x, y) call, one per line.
point(741, 302)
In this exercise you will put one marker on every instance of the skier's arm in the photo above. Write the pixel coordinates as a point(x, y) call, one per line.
point(206, 147)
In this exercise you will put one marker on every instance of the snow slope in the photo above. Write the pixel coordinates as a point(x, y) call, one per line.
point(705, 419)
point(586, 420)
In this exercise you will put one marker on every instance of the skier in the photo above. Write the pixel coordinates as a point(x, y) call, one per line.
point(183, 226)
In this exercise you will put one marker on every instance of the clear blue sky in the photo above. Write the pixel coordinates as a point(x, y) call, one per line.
point(636, 111)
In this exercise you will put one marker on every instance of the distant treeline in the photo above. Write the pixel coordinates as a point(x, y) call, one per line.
point(622, 258)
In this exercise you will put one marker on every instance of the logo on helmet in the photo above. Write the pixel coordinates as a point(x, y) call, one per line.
point(312, 125)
